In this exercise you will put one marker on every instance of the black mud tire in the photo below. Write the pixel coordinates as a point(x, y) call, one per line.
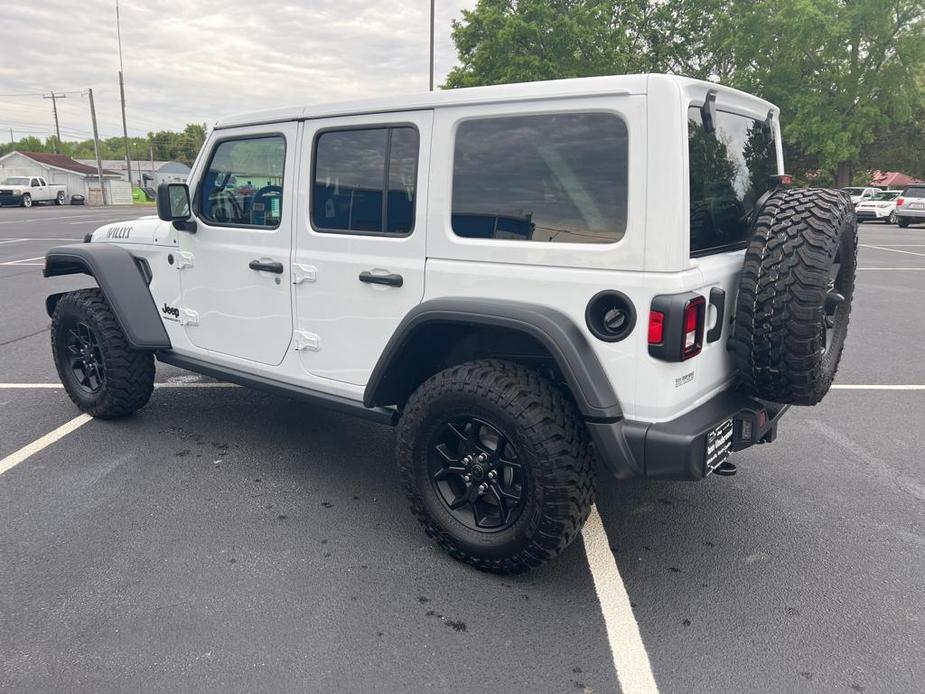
point(127, 379)
point(794, 295)
point(903, 223)
point(551, 444)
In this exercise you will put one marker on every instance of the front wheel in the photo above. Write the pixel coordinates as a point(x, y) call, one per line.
point(496, 465)
point(103, 375)
point(26, 200)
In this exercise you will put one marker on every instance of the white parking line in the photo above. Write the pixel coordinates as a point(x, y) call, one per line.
point(25, 452)
point(893, 269)
point(634, 672)
point(852, 386)
point(891, 250)
point(44, 238)
point(117, 214)
point(43, 386)
point(25, 261)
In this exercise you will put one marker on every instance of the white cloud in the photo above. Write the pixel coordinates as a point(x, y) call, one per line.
point(197, 60)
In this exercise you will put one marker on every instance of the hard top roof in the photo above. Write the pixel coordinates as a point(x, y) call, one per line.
point(583, 86)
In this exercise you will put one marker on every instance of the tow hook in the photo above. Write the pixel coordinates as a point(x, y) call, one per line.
point(725, 469)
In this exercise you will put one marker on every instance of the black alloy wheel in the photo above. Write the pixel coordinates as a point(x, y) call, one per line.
point(834, 299)
point(84, 357)
point(475, 472)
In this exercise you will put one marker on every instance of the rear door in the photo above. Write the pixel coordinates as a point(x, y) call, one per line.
point(234, 271)
point(358, 266)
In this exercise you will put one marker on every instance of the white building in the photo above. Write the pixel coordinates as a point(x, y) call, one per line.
point(77, 177)
point(145, 173)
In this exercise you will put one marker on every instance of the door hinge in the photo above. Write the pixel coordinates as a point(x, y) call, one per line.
point(306, 341)
point(303, 273)
point(184, 259)
point(188, 317)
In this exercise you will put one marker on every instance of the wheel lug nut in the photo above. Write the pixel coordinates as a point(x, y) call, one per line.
point(492, 474)
point(483, 488)
point(482, 457)
point(466, 478)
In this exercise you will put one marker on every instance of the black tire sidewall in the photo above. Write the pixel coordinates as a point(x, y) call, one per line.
point(491, 545)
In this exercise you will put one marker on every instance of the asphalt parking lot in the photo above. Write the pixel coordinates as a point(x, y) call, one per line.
point(227, 540)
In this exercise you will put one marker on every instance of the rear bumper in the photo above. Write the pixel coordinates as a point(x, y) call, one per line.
point(906, 213)
point(678, 450)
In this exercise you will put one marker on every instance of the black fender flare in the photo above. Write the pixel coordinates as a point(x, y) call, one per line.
point(120, 278)
point(558, 333)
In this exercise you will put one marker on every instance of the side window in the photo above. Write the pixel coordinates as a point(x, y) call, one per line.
point(35, 183)
point(730, 169)
point(243, 184)
point(365, 180)
point(559, 177)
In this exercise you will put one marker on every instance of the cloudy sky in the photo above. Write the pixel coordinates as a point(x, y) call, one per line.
point(197, 60)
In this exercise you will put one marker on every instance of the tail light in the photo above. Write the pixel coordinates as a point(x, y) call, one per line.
point(900, 202)
point(656, 328)
point(676, 326)
point(693, 328)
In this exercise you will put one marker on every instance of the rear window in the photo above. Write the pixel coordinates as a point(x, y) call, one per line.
point(730, 169)
point(558, 178)
point(915, 192)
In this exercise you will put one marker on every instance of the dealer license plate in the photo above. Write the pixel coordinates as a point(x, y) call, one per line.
point(719, 441)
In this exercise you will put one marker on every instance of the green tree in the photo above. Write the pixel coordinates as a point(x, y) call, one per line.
point(844, 72)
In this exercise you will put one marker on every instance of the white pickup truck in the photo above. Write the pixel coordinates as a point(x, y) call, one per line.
point(26, 190)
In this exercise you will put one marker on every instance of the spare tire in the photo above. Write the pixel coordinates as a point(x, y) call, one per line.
point(794, 295)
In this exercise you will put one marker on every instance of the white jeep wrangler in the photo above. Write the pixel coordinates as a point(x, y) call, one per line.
point(523, 279)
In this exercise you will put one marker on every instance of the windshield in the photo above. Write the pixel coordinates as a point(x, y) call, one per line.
point(16, 181)
point(887, 195)
point(854, 191)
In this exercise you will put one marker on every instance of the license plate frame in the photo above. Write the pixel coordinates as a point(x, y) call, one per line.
point(916, 206)
point(718, 445)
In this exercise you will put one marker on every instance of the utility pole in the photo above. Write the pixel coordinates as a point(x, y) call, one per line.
point(54, 107)
point(96, 147)
point(128, 158)
point(151, 156)
point(432, 45)
point(12, 140)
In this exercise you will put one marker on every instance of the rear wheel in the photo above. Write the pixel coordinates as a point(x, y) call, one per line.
point(496, 464)
point(59, 199)
point(26, 200)
point(903, 223)
point(103, 375)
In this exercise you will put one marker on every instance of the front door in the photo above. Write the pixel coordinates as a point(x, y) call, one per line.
point(358, 266)
point(234, 271)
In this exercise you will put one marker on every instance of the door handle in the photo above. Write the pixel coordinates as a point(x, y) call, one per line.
point(391, 279)
point(271, 266)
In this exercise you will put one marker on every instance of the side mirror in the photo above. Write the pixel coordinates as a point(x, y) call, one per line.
point(173, 205)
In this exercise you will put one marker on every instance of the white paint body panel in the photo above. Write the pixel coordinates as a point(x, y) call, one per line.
point(341, 325)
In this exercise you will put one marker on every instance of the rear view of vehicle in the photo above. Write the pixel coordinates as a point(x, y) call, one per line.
point(910, 206)
point(880, 208)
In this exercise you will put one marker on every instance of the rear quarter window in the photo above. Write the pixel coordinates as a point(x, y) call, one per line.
point(915, 192)
point(558, 178)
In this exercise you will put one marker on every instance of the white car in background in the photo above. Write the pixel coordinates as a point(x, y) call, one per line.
point(859, 194)
point(880, 208)
point(910, 206)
